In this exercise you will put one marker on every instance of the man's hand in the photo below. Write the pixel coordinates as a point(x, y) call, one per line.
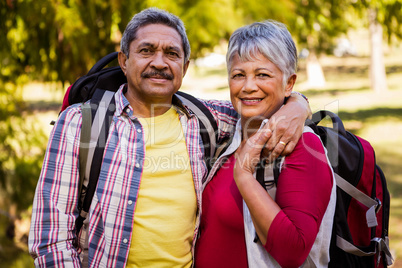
point(287, 127)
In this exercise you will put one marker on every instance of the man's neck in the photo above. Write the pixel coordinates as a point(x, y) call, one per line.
point(146, 109)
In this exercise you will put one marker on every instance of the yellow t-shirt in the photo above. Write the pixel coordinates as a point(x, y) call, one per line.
point(165, 212)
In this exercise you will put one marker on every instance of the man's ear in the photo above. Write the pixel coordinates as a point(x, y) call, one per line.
point(185, 67)
point(289, 85)
point(122, 61)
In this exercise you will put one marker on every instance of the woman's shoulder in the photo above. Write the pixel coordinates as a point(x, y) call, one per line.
point(309, 148)
point(310, 140)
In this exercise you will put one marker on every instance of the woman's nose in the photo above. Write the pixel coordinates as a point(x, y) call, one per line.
point(250, 85)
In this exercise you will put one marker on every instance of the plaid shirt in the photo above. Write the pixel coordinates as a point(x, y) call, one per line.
point(112, 210)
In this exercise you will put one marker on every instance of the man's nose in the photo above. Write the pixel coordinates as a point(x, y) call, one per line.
point(159, 61)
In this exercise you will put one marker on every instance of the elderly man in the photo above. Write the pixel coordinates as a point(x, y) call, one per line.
point(147, 204)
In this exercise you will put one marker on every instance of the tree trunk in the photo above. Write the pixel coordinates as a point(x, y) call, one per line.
point(378, 77)
point(315, 74)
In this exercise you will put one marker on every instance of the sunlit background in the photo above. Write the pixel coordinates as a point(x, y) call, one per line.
point(350, 63)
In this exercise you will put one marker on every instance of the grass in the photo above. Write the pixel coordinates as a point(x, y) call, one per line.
point(375, 117)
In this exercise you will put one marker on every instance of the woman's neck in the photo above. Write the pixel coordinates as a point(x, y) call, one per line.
point(249, 127)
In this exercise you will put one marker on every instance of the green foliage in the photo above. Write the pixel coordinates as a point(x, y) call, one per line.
point(14, 254)
point(393, 19)
point(389, 14)
point(54, 40)
point(209, 22)
point(21, 152)
point(317, 23)
point(24, 55)
point(256, 10)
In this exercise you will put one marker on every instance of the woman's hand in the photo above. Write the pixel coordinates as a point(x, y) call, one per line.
point(249, 153)
point(262, 207)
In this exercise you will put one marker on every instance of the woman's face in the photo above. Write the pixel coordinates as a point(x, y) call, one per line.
point(256, 87)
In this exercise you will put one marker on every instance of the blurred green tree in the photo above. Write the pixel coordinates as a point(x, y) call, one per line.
point(384, 20)
point(21, 153)
point(208, 22)
point(53, 40)
point(316, 24)
point(22, 145)
point(255, 10)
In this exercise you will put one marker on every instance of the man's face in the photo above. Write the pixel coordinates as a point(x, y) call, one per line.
point(155, 67)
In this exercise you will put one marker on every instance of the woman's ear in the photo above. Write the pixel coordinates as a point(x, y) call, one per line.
point(289, 85)
point(122, 58)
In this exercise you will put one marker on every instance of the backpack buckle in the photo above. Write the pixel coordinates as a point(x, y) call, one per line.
point(379, 205)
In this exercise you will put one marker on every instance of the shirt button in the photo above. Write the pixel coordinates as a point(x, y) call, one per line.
point(137, 165)
point(125, 241)
point(139, 130)
point(130, 202)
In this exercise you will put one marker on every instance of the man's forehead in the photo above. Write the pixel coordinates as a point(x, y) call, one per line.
point(158, 32)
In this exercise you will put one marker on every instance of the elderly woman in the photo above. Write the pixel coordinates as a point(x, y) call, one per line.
point(242, 225)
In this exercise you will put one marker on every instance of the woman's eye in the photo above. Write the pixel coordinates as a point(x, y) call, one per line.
point(237, 75)
point(263, 75)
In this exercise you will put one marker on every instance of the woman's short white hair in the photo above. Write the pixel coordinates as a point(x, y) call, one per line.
point(270, 38)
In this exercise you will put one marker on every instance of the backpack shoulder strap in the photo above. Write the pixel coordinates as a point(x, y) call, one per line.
point(102, 63)
point(96, 119)
point(208, 127)
point(84, 141)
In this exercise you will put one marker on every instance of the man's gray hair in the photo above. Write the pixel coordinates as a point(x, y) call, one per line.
point(270, 38)
point(154, 16)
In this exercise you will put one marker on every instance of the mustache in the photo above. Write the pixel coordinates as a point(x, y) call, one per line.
point(157, 73)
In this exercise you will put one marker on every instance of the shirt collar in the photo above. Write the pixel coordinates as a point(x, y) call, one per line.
point(123, 106)
point(236, 141)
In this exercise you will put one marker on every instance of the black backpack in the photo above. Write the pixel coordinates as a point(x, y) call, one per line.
point(360, 231)
point(98, 87)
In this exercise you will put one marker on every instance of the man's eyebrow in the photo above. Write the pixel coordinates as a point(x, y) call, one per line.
point(174, 48)
point(152, 45)
point(146, 44)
